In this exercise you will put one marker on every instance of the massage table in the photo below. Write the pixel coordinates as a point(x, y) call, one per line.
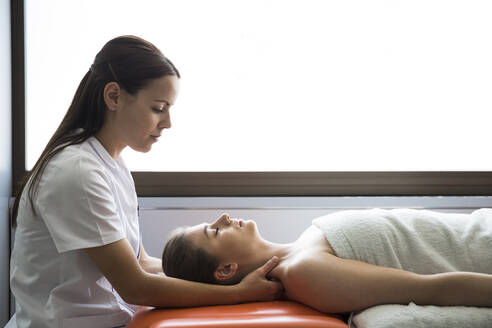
point(276, 314)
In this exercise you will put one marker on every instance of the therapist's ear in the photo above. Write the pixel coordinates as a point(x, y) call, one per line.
point(226, 272)
point(112, 96)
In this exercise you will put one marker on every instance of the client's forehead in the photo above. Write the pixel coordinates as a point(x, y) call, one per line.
point(196, 233)
point(194, 229)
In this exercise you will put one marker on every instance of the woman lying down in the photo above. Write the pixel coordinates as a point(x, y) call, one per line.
point(350, 260)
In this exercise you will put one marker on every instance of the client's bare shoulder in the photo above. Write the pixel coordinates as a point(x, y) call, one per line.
point(295, 269)
point(313, 240)
point(300, 275)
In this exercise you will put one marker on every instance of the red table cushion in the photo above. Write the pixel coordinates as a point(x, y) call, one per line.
point(277, 314)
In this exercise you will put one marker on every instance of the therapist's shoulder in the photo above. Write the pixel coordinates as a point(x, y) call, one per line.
point(75, 164)
point(73, 156)
point(71, 178)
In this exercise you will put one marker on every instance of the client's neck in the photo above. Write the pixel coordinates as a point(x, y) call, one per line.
point(265, 251)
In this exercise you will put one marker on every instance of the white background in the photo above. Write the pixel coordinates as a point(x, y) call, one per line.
point(275, 85)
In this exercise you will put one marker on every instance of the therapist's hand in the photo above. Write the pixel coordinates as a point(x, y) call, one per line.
point(256, 287)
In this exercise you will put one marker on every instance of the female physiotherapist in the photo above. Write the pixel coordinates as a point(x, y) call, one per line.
point(78, 260)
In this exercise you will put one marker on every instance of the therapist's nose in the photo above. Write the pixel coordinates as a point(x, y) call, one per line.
point(165, 122)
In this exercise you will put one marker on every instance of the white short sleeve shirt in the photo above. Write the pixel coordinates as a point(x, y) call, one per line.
point(85, 198)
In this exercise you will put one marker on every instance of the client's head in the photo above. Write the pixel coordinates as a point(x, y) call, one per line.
point(222, 252)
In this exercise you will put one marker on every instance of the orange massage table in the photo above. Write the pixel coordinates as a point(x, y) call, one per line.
point(277, 314)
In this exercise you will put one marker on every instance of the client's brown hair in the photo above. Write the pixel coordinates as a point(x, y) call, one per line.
point(181, 259)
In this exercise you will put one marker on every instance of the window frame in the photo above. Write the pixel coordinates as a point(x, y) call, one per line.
point(159, 184)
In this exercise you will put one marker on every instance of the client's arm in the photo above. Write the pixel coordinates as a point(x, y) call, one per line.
point(331, 284)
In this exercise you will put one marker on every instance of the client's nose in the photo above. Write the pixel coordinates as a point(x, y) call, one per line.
point(224, 219)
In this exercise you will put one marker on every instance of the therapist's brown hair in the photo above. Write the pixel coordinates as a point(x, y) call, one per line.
point(130, 61)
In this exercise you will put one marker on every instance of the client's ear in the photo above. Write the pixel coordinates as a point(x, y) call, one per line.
point(226, 272)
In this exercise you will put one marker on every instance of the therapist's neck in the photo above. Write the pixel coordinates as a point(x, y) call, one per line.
point(109, 141)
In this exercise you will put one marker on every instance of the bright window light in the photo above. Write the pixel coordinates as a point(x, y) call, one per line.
point(278, 85)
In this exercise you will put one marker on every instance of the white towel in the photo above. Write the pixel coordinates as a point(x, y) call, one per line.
point(420, 241)
point(414, 316)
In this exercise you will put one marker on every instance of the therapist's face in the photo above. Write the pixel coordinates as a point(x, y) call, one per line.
point(230, 240)
point(143, 117)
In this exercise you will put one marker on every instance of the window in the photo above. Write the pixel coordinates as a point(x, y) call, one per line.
point(288, 97)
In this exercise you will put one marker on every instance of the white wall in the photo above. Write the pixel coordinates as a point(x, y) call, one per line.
point(279, 219)
point(6, 157)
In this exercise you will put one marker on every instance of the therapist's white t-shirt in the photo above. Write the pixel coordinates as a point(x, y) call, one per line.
point(84, 199)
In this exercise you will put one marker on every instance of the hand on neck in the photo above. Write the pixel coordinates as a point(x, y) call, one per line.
point(262, 254)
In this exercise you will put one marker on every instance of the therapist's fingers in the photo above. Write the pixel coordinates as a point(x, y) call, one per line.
point(267, 267)
point(273, 286)
point(277, 289)
point(256, 287)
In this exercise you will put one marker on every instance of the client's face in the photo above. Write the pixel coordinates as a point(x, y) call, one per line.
point(228, 239)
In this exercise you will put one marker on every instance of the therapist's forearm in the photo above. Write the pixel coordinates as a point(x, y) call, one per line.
point(161, 291)
point(118, 264)
point(152, 265)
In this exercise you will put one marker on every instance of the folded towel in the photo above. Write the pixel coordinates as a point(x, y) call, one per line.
point(414, 316)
